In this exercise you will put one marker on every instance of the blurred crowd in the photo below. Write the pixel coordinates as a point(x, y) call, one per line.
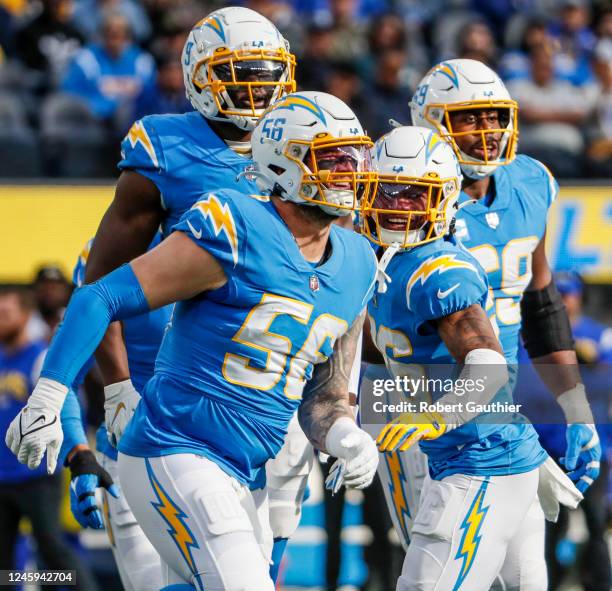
point(74, 74)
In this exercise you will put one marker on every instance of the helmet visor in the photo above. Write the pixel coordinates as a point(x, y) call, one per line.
point(246, 82)
point(242, 78)
point(480, 132)
point(336, 172)
point(402, 206)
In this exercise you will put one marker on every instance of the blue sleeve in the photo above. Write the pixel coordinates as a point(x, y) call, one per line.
point(552, 186)
point(72, 425)
point(545, 179)
point(142, 151)
point(367, 268)
point(446, 292)
point(216, 224)
point(92, 308)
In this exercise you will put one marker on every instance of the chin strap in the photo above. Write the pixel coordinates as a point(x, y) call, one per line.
point(381, 276)
point(261, 179)
point(395, 124)
point(466, 203)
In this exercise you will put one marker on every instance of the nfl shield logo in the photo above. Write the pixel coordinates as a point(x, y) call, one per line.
point(314, 283)
point(461, 230)
point(492, 219)
point(248, 172)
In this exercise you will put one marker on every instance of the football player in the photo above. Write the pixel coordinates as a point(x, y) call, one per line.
point(468, 105)
point(272, 303)
point(138, 563)
point(235, 63)
point(484, 474)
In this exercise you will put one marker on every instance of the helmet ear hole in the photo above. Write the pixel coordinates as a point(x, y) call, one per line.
point(504, 117)
point(276, 169)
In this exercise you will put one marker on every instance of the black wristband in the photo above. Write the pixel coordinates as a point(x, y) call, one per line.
point(83, 462)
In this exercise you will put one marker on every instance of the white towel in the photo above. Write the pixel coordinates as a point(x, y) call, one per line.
point(555, 488)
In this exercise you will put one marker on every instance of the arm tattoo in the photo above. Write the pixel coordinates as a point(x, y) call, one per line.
point(466, 330)
point(326, 396)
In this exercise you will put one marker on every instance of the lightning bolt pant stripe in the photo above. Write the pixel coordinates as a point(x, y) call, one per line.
point(210, 530)
point(138, 563)
point(464, 530)
point(176, 520)
point(471, 526)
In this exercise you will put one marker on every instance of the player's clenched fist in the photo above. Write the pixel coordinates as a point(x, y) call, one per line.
point(403, 432)
point(356, 452)
point(37, 429)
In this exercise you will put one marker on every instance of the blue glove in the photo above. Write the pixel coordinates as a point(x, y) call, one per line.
point(582, 455)
point(86, 475)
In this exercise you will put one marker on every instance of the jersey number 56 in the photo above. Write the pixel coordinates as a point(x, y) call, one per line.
point(255, 333)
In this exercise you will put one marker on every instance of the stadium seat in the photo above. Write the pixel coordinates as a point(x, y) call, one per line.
point(75, 143)
point(12, 114)
point(19, 148)
point(20, 155)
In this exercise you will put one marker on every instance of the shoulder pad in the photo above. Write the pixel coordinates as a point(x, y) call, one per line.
point(536, 176)
point(216, 224)
point(445, 283)
point(141, 148)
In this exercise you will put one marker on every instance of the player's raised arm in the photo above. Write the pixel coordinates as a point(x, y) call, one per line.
point(177, 269)
point(547, 334)
point(326, 416)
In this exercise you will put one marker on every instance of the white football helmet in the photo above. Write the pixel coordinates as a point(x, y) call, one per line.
point(419, 181)
point(309, 147)
point(235, 64)
point(465, 85)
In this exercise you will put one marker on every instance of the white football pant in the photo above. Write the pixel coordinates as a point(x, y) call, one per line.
point(138, 563)
point(467, 526)
point(286, 480)
point(524, 568)
point(209, 529)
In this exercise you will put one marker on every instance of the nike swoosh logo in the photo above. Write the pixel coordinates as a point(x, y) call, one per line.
point(23, 433)
point(196, 233)
point(119, 408)
point(443, 294)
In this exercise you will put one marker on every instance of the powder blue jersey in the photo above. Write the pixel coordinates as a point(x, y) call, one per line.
point(142, 335)
point(232, 366)
point(185, 159)
point(430, 282)
point(503, 234)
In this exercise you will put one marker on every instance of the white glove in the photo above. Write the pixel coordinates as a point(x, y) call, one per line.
point(356, 452)
point(37, 428)
point(121, 400)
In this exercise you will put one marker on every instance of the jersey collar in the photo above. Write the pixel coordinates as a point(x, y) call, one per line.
point(501, 200)
point(329, 268)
